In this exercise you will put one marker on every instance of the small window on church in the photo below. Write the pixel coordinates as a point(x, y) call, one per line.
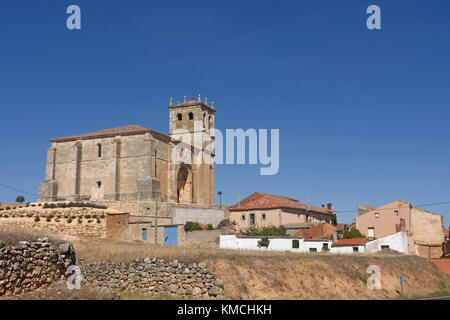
point(180, 117)
point(191, 116)
point(99, 150)
point(99, 184)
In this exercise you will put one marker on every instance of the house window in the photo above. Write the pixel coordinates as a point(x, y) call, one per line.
point(179, 117)
point(191, 116)
point(264, 216)
point(355, 249)
point(252, 218)
point(99, 150)
point(144, 234)
point(396, 213)
point(99, 184)
point(371, 232)
point(312, 249)
point(377, 215)
point(384, 246)
point(243, 217)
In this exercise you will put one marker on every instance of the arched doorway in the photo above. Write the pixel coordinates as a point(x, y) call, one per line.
point(184, 185)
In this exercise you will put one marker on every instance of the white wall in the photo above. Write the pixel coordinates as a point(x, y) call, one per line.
point(347, 249)
point(275, 244)
point(397, 241)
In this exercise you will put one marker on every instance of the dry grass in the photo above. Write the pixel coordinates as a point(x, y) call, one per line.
point(119, 251)
point(14, 235)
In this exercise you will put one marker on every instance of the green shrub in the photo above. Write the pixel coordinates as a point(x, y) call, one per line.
point(80, 221)
point(325, 247)
point(33, 205)
point(191, 226)
point(98, 221)
point(88, 216)
point(66, 217)
point(48, 219)
point(266, 231)
point(30, 215)
point(94, 216)
point(37, 219)
point(89, 221)
point(69, 220)
point(352, 233)
point(6, 216)
point(8, 208)
point(209, 227)
point(264, 242)
point(295, 244)
point(1, 209)
point(39, 204)
point(51, 216)
point(102, 216)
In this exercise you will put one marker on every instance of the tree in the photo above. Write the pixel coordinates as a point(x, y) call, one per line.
point(334, 220)
point(352, 233)
point(20, 199)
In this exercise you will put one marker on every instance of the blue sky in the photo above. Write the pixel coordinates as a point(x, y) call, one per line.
point(363, 114)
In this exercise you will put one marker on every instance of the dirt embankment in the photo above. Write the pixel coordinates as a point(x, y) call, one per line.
point(325, 276)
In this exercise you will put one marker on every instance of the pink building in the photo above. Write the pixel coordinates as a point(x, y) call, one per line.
point(425, 229)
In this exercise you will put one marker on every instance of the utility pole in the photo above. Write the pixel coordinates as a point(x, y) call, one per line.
point(220, 197)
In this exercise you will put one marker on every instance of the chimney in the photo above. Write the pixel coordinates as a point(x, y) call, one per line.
point(329, 206)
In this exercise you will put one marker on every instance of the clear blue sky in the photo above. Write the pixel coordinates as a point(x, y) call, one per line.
point(363, 115)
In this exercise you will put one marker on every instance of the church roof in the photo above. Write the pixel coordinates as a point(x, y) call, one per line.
point(120, 131)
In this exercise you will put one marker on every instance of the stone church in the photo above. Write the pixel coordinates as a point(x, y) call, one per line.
point(134, 163)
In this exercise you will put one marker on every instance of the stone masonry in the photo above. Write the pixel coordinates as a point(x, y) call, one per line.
point(153, 277)
point(29, 265)
point(133, 163)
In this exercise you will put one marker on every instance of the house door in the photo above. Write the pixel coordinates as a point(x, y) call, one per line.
point(171, 236)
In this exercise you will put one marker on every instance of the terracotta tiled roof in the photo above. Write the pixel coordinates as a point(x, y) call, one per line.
point(121, 131)
point(349, 242)
point(261, 201)
point(316, 231)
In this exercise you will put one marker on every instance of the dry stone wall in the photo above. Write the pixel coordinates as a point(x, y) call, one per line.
point(29, 265)
point(77, 222)
point(62, 227)
point(153, 277)
point(74, 212)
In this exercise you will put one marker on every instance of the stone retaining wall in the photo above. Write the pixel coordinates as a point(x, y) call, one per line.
point(63, 227)
point(40, 212)
point(153, 277)
point(29, 265)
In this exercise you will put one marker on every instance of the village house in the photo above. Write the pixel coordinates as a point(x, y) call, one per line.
point(425, 230)
point(261, 209)
point(320, 230)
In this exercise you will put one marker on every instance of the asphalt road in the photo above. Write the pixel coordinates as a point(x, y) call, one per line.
point(437, 298)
